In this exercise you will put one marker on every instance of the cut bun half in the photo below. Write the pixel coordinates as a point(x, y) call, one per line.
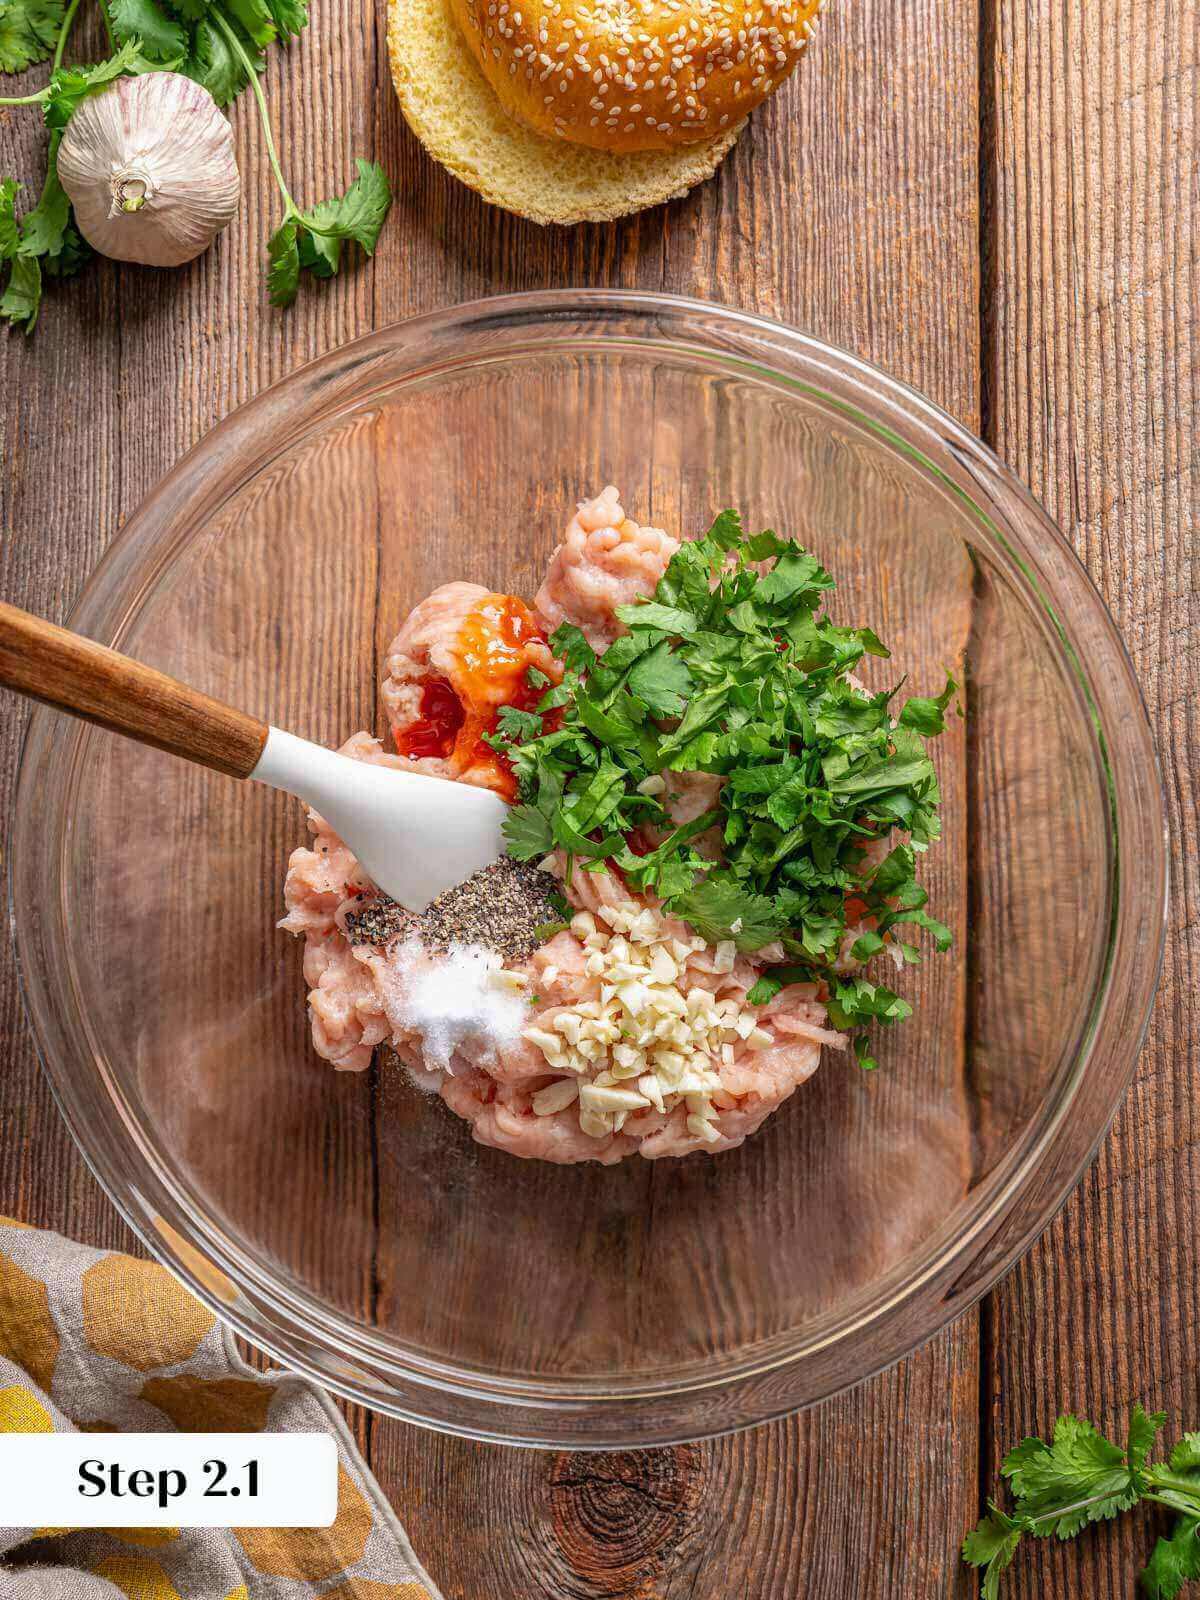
point(454, 112)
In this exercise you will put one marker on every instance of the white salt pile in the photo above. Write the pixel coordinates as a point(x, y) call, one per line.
point(453, 1001)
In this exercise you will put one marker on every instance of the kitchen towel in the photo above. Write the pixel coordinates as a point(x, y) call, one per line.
point(97, 1342)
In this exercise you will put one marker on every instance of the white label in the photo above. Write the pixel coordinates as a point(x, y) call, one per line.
point(168, 1480)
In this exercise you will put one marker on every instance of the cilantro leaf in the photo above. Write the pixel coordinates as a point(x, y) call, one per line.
point(726, 531)
point(942, 937)
point(570, 645)
point(518, 725)
point(992, 1546)
point(702, 711)
point(1173, 1562)
point(894, 871)
point(794, 575)
point(43, 230)
point(857, 1000)
point(650, 614)
point(527, 833)
point(862, 1054)
point(882, 777)
point(213, 64)
point(928, 717)
point(1144, 1428)
point(359, 214)
point(161, 37)
point(791, 801)
point(871, 643)
point(660, 680)
point(254, 18)
point(43, 243)
point(774, 980)
point(762, 546)
point(283, 257)
point(599, 799)
point(23, 294)
point(290, 16)
point(720, 910)
point(320, 253)
point(615, 726)
point(9, 231)
point(28, 32)
point(867, 945)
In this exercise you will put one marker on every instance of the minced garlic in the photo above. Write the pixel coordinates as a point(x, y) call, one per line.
point(645, 1043)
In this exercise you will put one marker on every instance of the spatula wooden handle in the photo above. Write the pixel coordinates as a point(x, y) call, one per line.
point(87, 679)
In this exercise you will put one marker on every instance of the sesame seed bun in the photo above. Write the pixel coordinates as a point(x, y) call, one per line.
point(635, 75)
point(461, 122)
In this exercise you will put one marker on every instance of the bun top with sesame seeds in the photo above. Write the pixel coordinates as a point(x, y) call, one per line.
point(451, 108)
point(629, 75)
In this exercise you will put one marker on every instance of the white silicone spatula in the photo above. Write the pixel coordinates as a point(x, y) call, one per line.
point(414, 835)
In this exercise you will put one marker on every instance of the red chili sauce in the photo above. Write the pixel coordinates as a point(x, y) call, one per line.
point(434, 731)
point(493, 651)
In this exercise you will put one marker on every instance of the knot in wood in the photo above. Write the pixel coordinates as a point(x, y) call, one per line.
point(618, 1519)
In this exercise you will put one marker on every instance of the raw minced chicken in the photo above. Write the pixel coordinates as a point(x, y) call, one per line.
point(604, 561)
point(463, 652)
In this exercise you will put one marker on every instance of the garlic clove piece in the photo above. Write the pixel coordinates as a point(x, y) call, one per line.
point(148, 165)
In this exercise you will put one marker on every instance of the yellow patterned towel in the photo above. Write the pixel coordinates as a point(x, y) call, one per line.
point(97, 1342)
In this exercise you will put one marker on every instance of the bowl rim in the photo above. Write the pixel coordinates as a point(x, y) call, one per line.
point(1027, 1188)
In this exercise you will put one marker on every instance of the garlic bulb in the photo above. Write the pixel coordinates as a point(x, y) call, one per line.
point(148, 164)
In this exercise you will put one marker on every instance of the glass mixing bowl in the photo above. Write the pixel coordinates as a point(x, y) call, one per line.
point(346, 1223)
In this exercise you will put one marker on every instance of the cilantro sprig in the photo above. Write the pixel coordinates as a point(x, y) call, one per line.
point(1081, 1477)
point(223, 45)
point(828, 797)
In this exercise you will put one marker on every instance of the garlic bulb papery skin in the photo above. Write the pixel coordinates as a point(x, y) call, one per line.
point(148, 164)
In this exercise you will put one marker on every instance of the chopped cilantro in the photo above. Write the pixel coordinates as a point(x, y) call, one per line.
point(527, 833)
point(732, 668)
point(928, 716)
point(862, 1053)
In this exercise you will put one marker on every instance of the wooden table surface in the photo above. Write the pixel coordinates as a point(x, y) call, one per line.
point(999, 201)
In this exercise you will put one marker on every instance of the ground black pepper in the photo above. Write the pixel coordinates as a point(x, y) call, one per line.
point(500, 907)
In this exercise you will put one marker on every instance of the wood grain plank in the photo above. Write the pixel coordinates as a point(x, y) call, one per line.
point(1094, 200)
point(59, 500)
point(868, 237)
point(850, 208)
